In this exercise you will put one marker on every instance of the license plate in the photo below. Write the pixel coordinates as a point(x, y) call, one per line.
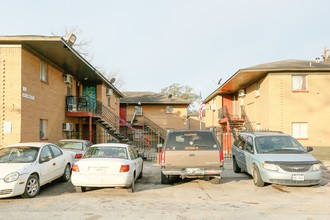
point(95, 169)
point(194, 171)
point(298, 177)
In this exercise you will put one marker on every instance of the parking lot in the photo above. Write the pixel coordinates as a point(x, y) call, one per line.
point(235, 197)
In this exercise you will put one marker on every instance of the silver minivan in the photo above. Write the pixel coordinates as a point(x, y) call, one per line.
point(273, 157)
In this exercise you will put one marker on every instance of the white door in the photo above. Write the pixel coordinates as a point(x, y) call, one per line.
point(47, 166)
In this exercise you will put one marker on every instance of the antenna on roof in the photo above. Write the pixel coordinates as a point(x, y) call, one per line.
point(112, 80)
point(219, 82)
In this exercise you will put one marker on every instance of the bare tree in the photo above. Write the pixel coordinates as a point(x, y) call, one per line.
point(81, 46)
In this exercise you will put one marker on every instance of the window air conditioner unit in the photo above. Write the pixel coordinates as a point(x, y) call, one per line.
point(67, 126)
point(109, 92)
point(241, 93)
point(68, 79)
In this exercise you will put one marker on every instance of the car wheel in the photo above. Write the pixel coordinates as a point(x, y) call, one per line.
point(67, 173)
point(164, 179)
point(133, 184)
point(32, 187)
point(257, 178)
point(80, 189)
point(141, 174)
point(235, 166)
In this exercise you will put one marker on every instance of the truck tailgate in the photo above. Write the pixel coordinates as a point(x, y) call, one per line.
point(185, 158)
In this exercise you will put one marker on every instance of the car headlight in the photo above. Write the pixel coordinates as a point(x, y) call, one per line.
point(11, 177)
point(269, 166)
point(316, 167)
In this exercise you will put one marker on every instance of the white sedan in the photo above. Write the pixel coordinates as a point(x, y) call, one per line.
point(24, 167)
point(107, 165)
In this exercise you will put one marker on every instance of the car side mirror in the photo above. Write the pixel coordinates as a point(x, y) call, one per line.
point(44, 159)
point(309, 149)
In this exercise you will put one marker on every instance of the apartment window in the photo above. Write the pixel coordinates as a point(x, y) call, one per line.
point(43, 129)
point(43, 72)
point(138, 110)
point(169, 109)
point(257, 90)
point(299, 83)
point(299, 130)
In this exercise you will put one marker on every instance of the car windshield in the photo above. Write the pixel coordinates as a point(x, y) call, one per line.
point(106, 152)
point(278, 144)
point(21, 154)
point(191, 141)
point(74, 145)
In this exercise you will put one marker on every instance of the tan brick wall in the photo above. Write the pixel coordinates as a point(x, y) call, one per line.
point(114, 99)
point(48, 103)
point(278, 107)
point(10, 60)
point(157, 113)
point(211, 112)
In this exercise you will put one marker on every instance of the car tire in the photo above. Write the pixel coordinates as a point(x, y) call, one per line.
point(236, 168)
point(67, 173)
point(32, 187)
point(80, 189)
point(164, 179)
point(132, 187)
point(141, 174)
point(257, 180)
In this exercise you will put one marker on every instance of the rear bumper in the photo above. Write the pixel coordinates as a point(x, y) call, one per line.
point(187, 172)
point(121, 180)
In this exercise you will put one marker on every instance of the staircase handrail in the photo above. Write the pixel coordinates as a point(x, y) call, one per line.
point(246, 119)
point(227, 115)
point(155, 127)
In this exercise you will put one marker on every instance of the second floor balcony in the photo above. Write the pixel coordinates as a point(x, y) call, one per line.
point(82, 104)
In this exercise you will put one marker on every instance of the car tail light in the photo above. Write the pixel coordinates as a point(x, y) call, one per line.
point(78, 156)
point(75, 168)
point(221, 156)
point(162, 157)
point(124, 168)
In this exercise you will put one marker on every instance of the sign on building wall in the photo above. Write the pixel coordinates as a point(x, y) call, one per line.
point(6, 127)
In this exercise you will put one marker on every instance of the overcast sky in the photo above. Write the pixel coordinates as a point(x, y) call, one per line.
point(155, 43)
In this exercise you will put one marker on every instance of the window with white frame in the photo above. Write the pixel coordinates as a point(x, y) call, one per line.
point(299, 130)
point(169, 109)
point(299, 83)
point(43, 129)
point(43, 72)
point(138, 110)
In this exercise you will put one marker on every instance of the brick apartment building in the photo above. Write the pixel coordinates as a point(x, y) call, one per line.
point(50, 92)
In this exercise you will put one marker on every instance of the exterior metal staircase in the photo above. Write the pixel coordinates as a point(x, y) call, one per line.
point(155, 128)
point(236, 123)
point(109, 121)
point(233, 128)
point(247, 122)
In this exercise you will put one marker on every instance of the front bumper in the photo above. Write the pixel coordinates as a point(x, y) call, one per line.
point(288, 178)
point(13, 188)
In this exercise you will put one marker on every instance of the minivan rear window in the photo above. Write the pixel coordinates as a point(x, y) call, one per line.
point(191, 141)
